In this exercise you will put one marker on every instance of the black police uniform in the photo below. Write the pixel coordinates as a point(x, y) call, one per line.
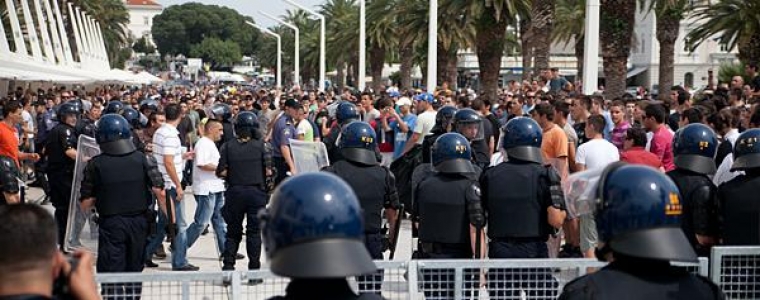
point(9, 175)
point(480, 156)
point(700, 206)
point(515, 196)
point(448, 203)
point(60, 172)
point(443, 119)
point(633, 279)
point(637, 213)
point(245, 161)
point(119, 179)
point(228, 133)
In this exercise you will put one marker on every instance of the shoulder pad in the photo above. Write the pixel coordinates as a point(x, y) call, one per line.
point(369, 296)
point(717, 292)
point(578, 288)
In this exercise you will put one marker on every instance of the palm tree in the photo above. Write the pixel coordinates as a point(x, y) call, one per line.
point(491, 18)
point(526, 45)
point(381, 37)
point(669, 14)
point(408, 17)
point(617, 19)
point(569, 27)
point(113, 18)
point(542, 24)
point(735, 23)
point(342, 41)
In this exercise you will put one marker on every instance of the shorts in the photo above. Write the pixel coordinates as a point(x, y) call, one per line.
point(589, 236)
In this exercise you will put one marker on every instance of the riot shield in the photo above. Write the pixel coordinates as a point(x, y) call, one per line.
point(581, 192)
point(308, 156)
point(81, 229)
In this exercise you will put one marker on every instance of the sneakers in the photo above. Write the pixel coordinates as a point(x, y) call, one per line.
point(568, 251)
point(187, 267)
point(150, 264)
point(160, 253)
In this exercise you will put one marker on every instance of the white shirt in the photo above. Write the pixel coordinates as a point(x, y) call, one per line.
point(304, 127)
point(425, 123)
point(206, 182)
point(597, 153)
point(724, 174)
point(27, 117)
point(166, 142)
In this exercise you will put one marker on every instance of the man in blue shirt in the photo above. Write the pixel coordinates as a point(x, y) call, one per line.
point(402, 126)
point(284, 129)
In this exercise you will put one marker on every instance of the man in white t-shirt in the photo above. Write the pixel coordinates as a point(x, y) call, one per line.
point(207, 188)
point(304, 131)
point(426, 111)
point(596, 153)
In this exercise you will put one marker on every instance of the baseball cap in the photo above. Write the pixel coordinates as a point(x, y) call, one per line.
point(394, 94)
point(404, 101)
point(427, 97)
point(292, 103)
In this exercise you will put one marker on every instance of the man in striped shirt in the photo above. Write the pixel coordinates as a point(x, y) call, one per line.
point(167, 149)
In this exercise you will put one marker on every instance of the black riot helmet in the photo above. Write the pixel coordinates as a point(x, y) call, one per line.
point(67, 109)
point(521, 138)
point(247, 125)
point(221, 112)
point(114, 135)
point(358, 143)
point(694, 148)
point(148, 105)
point(451, 153)
point(113, 107)
point(444, 118)
point(468, 123)
point(638, 214)
point(132, 116)
point(313, 228)
point(346, 113)
point(747, 150)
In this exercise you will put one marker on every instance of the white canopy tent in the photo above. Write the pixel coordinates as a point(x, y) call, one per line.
point(147, 78)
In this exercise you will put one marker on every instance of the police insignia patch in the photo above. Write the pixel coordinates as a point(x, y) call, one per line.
point(673, 208)
point(476, 189)
point(286, 132)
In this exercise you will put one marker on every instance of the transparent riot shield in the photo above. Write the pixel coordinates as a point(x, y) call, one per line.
point(581, 192)
point(308, 156)
point(81, 229)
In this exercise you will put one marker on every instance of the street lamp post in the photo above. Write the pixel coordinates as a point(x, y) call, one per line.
point(591, 54)
point(279, 50)
point(362, 44)
point(322, 50)
point(297, 34)
point(432, 60)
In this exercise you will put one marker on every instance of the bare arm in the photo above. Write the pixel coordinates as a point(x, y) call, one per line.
point(172, 171)
point(556, 217)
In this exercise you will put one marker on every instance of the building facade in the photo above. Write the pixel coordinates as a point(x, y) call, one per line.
point(141, 13)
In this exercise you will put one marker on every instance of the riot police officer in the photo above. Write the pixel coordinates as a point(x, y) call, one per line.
point(84, 125)
point(345, 113)
point(739, 210)
point(449, 213)
point(133, 119)
point(373, 184)
point(468, 123)
point(244, 163)
point(638, 216)
point(694, 147)
point(115, 183)
point(148, 107)
point(60, 149)
point(443, 124)
point(223, 113)
point(314, 236)
point(9, 175)
point(113, 107)
point(524, 203)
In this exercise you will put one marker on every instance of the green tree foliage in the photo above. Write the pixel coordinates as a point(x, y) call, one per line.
point(143, 46)
point(735, 23)
point(218, 52)
point(180, 28)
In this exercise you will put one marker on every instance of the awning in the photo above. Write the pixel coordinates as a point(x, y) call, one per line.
point(27, 75)
point(635, 71)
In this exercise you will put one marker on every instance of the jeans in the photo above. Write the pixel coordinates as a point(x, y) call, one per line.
point(209, 209)
point(179, 254)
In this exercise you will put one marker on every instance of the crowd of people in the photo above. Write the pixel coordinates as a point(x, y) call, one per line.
point(488, 174)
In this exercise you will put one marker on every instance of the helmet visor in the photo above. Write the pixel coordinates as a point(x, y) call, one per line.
point(473, 131)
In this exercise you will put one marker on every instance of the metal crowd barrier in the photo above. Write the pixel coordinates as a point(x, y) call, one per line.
point(737, 271)
point(417, 279)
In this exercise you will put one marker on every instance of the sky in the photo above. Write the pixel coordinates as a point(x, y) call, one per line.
point(251, 7)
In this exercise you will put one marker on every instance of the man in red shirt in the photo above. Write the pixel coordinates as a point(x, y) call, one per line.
point(634, 152)
point(9, 136)
point(662, 138)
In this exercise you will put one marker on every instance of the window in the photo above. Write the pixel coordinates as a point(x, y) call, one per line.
point(723, 47)
point(146, 21)
point(688, 79)
point(687, 44)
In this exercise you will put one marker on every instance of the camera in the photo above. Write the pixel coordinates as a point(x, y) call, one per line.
point(61, 287)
